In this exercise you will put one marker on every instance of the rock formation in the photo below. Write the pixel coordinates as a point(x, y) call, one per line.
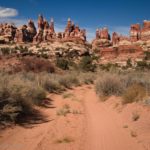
point(135, 32)
point(7, 32)
point(102, 39)
point(123, 47)
point(25, 33)
point(107, 46)
point(115, 38)
point(145, 32)
point(73, 32)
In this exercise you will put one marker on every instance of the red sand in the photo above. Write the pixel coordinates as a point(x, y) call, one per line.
point(98, 126)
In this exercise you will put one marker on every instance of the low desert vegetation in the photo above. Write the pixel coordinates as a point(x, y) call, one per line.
point(68, 95)
point(132, 86)
point(108, 85)
point(21, 93)
point(36, 64)
point(18, 96)
point(64, 110)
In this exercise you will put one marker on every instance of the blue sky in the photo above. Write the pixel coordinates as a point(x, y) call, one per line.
point(117, 15)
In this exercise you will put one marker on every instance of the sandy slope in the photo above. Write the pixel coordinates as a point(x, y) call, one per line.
point(98, 126)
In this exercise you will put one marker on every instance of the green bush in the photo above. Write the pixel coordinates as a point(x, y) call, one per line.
point(141, 65)
point(62, 63)
point(129, 63)
point(147, 55)
point(5, 51)
point(86, 64)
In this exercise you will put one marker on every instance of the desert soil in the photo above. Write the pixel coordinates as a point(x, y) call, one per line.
point(89, 125)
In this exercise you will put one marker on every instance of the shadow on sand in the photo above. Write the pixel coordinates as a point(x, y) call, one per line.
point(31, 118)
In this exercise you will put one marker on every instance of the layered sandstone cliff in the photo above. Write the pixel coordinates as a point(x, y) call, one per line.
point(122, 48)
point(113, 47)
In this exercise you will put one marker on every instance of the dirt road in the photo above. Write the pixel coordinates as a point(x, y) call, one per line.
point(96, 127)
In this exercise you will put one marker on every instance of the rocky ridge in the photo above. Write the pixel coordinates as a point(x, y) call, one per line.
point(113, 48)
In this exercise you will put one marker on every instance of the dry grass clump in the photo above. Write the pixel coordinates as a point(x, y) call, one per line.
point(108, 84)
point(64, 110)
point(68, 95)
point(69, 80)
point(87, 78)
point(134, 93)
point(50, 82)
point(132, 86)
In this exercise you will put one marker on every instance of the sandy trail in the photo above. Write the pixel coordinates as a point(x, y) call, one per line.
point(104, 127)
point(99, 127)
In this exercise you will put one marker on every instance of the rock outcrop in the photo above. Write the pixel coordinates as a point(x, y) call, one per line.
point(135, 32)
point(25, 33)
point(45, 32)
point(102, 39)
point(145, 32)
point(123, 47)
point(109, 47)
point(7, 32)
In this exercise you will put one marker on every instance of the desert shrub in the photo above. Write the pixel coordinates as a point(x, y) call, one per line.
point(147, 55)
point(18, 97)
point(5, 51)
point(64, 110)
point(134, 93)
point(87, 78)
point(141, 65)
point(139, 78)
point(69, 80)
point(62, 63)
point(23, 49)
point(108, 66)
point(108, 85)
point(37, 65)
point(129, 63)
point(86, 64)
point(50, 83)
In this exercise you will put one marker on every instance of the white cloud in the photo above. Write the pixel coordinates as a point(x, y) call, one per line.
point(17, 22)
point(7, 12)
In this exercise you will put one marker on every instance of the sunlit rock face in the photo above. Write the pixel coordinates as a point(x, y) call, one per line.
point(135, 32)
point(145, 32)
point(7, 32)
point(115, 38)
point(120, 46)
point(102, 39)
point(73, 32)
